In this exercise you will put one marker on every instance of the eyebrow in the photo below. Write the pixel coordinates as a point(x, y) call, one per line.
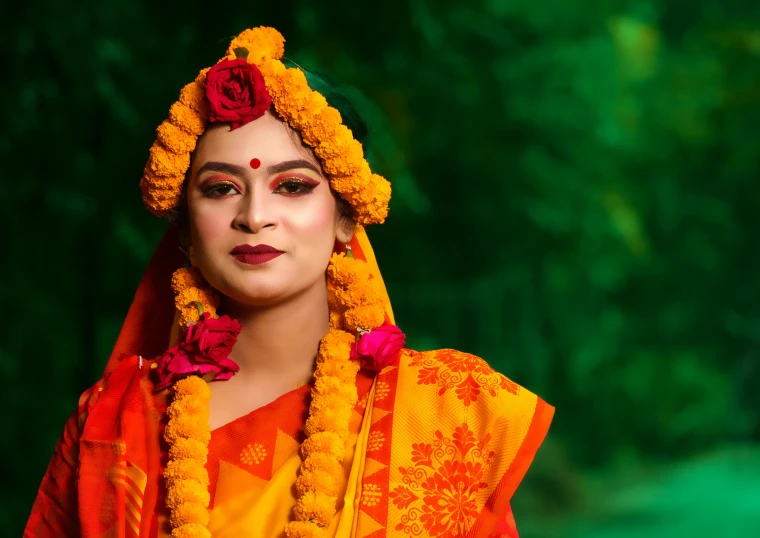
point(236, 170)
point(291, 165)
point(227, 168)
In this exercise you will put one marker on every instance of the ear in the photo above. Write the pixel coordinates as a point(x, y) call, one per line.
point(345, 231)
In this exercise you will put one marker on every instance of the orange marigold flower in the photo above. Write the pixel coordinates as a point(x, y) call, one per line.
point(272, 71)
point(336, 144)
point(365, 317)
point(175, 139)
point(189, 449)
point(161, 187)
point(304, 529)
point(191, 530)
point(187, 406)
point(186, 491)
point(327, 442)
point(164, 163)
point(193, 387)
point(360, 293)
point(347, 162)
point(315, 506)
point(262, 43)
point(190, 296)
point(318, 480)
point(194, 96)
point(322, 127)
point(346, 272)
point(185, 469)
point(358, 179)
point(189, 512)
point(305, 107)
point(327, 420)
point(345, 371)
point(190, 429)
point(187, 119)
point(187, 277)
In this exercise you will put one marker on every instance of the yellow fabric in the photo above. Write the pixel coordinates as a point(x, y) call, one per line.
point(248, 506)
point(481, 420)
point(360, 235)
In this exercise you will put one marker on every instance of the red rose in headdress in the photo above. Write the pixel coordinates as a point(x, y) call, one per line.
point(204, 349)
point(236, 92)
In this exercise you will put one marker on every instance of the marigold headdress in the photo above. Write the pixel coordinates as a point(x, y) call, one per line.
point(252, 69)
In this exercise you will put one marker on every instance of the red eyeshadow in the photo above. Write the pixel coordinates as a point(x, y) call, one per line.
point(276, 181)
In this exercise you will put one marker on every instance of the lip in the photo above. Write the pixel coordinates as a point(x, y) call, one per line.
point(254, 255)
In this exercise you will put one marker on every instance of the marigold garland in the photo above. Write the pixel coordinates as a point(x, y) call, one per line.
point(304, 109)
point(351, 293)
point(187, 480)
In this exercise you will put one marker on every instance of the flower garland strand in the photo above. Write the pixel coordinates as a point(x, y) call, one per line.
point(192, 296)
point(355, 306)
point(188, 434)
point(305, 110)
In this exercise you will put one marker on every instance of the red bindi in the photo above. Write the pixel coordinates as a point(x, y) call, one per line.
point(255, 163)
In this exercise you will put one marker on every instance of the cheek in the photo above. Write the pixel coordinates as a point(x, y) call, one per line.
point(316, 219)
point(206, 224)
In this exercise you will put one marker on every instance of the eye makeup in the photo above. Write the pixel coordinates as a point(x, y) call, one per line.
point(293, 184)
point(218, 186)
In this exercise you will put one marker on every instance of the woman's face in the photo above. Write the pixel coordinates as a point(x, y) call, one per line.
point(258, 186)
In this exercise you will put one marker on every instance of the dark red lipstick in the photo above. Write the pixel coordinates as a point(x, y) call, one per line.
point(254, 255)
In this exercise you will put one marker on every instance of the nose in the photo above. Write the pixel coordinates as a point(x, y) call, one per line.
point(254, 214)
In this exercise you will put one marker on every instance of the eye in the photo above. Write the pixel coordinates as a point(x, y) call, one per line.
point(293, 186)
point(219, 189)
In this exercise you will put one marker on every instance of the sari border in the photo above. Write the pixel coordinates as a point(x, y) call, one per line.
point(502, 494)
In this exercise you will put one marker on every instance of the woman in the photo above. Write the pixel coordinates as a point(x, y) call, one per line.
point(297, 412)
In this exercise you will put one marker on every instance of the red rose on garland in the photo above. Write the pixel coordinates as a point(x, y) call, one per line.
point(236, 92)
point(204, 349)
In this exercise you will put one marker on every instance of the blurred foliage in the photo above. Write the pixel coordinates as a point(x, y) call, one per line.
point(575, 199)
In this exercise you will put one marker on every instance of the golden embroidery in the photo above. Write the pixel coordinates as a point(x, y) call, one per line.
point(371, 494)
point(253, 454)
point(382, 390)
point(376, 441)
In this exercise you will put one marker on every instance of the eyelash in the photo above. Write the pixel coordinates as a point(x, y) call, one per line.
point(218, 190)
point(221, 189)
point(304, 186)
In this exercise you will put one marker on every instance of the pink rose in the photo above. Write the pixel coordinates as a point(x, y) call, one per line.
point(204, 349)
point(379, 347)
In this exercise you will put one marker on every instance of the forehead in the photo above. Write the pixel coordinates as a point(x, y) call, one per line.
point(267, 138)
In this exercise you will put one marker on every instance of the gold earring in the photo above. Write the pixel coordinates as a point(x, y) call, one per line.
point(349, 252)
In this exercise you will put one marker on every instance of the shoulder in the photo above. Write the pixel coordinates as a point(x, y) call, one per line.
point(463, 380)
point(125, 390)
point(456, 419)
point(450, 393)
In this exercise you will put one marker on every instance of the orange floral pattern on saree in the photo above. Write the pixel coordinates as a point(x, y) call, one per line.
point(438, 497)
point(466, 374)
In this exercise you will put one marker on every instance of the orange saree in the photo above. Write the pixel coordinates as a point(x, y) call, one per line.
point(439, 443)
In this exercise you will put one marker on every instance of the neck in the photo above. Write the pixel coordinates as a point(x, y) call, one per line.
point(279, 343)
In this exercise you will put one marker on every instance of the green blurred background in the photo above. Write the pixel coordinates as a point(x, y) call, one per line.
point(576, 200)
